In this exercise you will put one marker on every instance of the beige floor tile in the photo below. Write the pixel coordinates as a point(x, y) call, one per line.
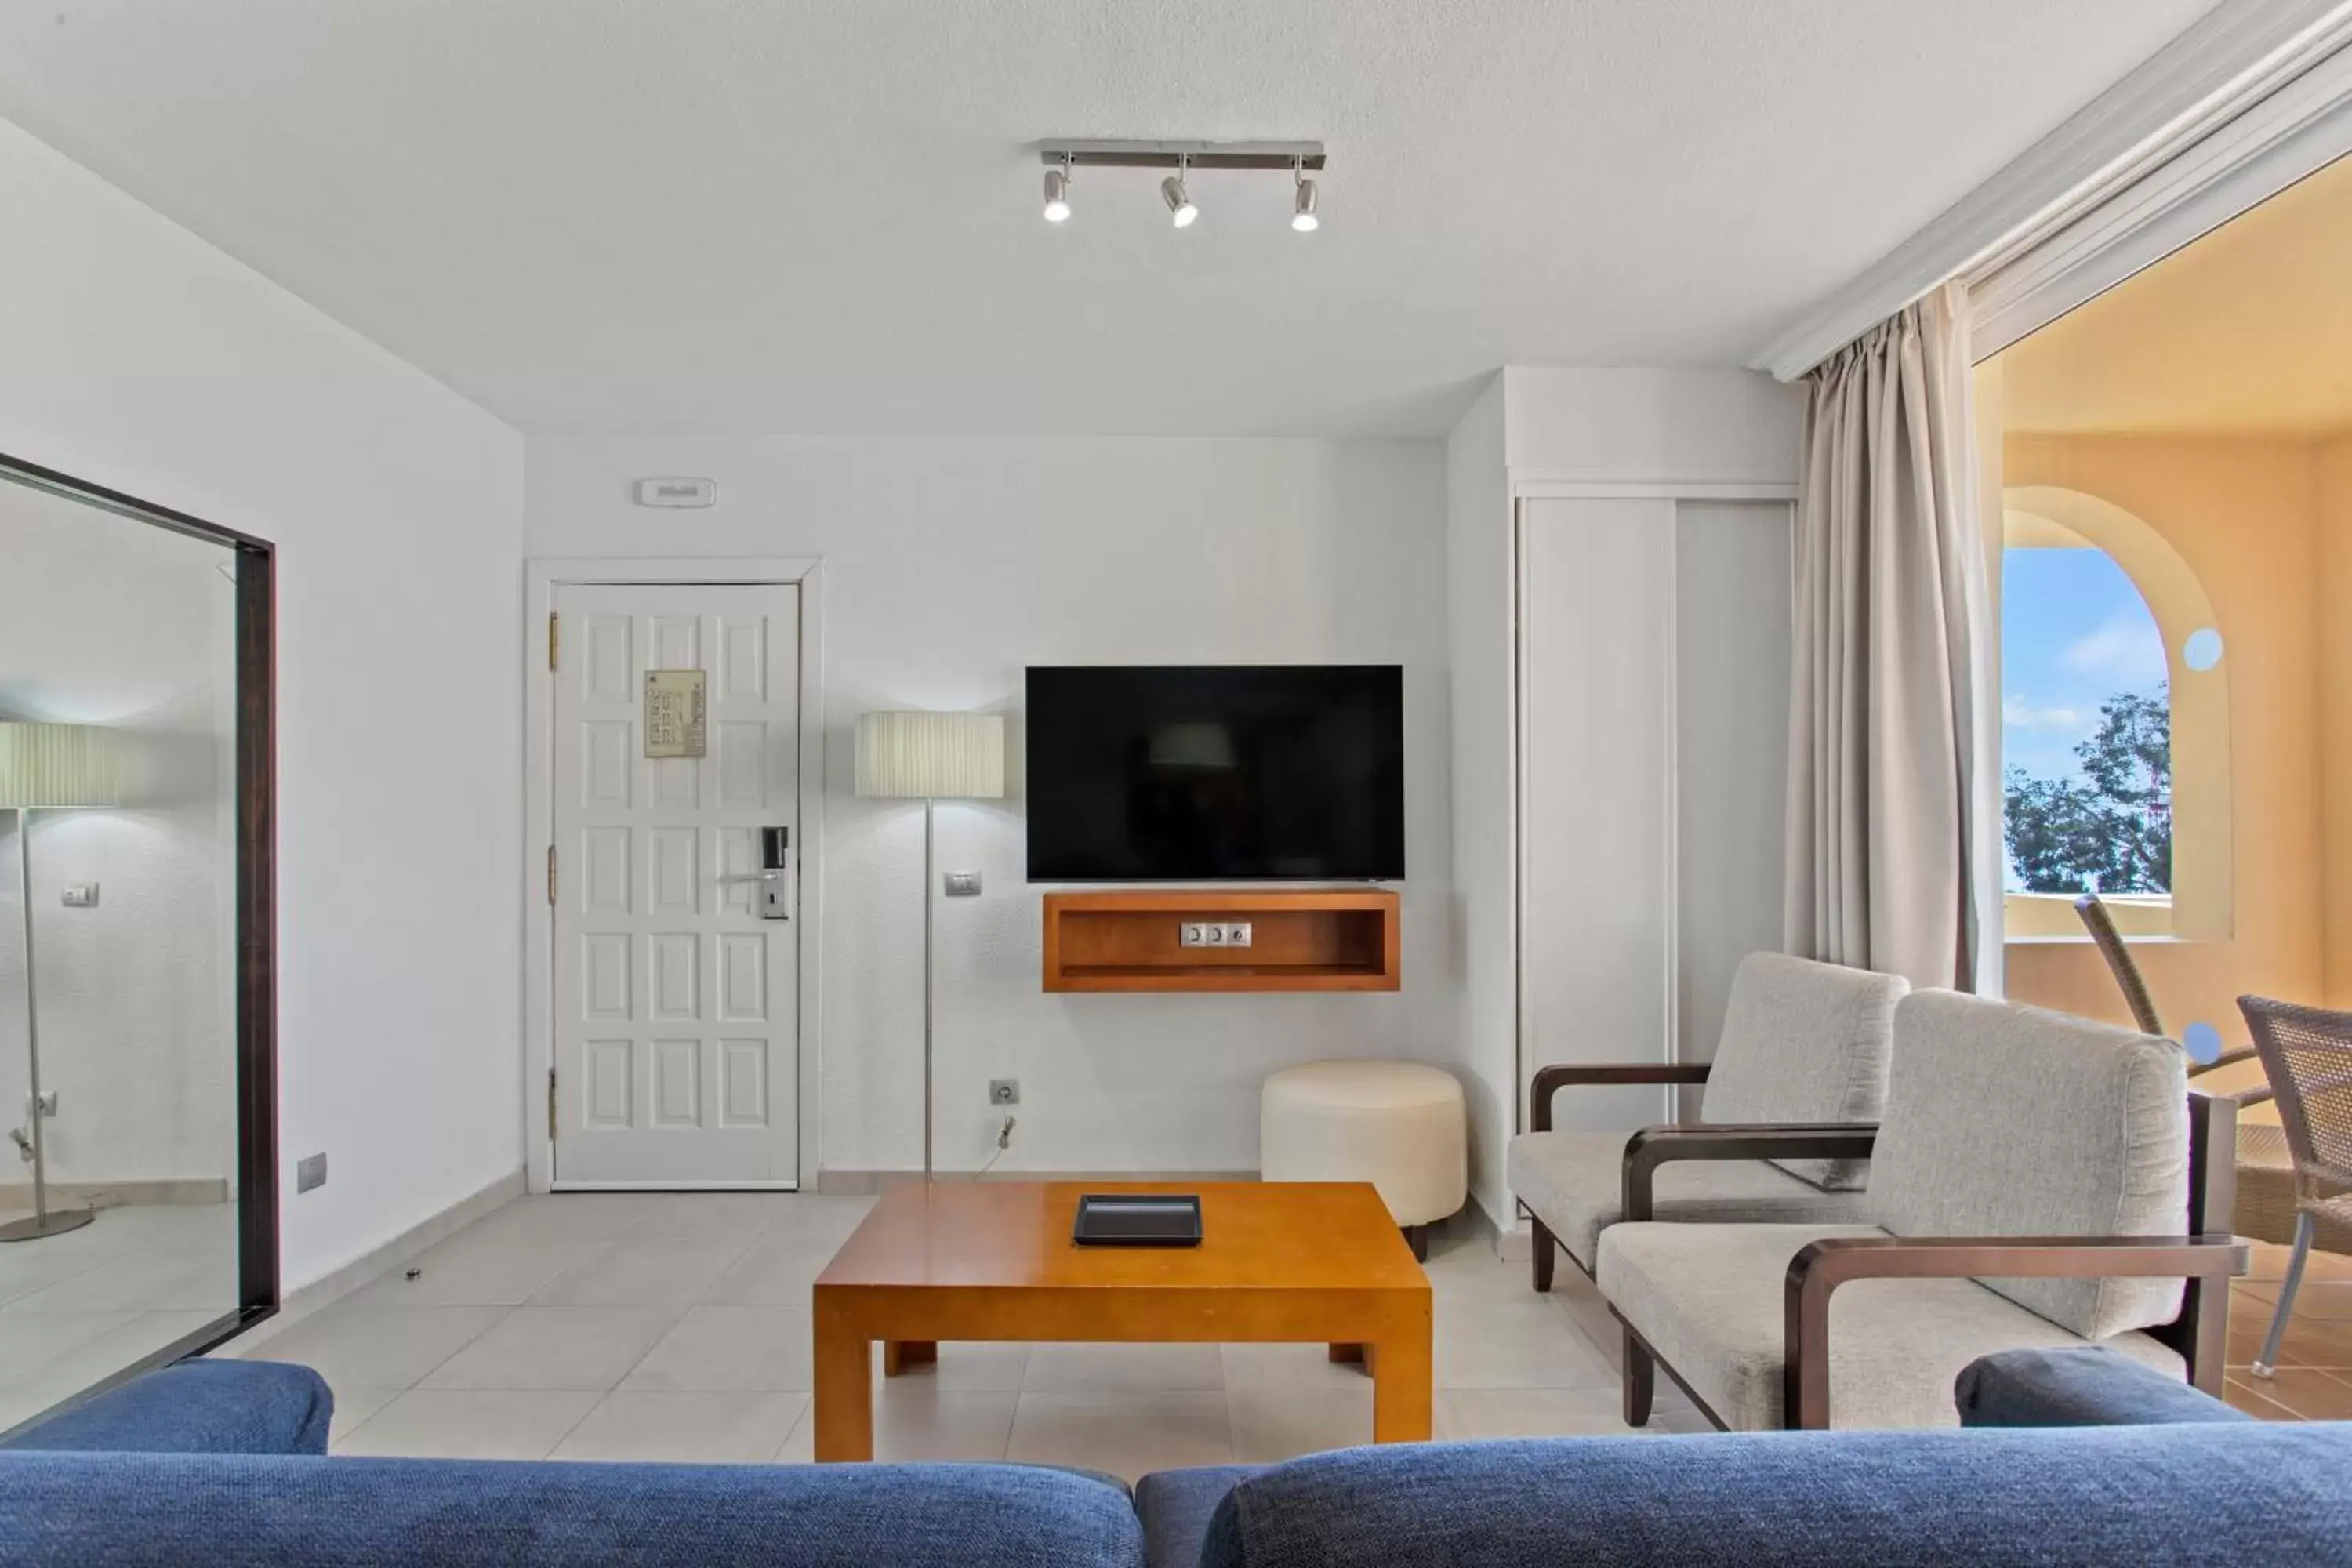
point(716, 1348)
point(1309, 1366)
point(709, 1427)
point(812, 1218)
point(1480, 1276)
point(123, 1344)
point(353, 1405)
point(1127, 1434)
point(642, 1274)
point(1273, 1424)
point(30, 1343)
point(470, 1424)
point(378, 1347)
point(137, 1282)
point(1479, 1413)
point(575, 1216)
point(478, 1268)
point(1529, 1344)
point(1123, 1368)
point(916, 1423)
point(736, 1218)
point(973, 1366)
point(25, 1269)
point(778, 1270)
point(557, 1347)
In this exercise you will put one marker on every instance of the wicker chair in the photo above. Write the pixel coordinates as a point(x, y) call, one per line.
point(2265, 1207)
point(2307, 1052)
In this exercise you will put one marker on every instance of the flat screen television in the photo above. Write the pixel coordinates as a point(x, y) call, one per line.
point(1216, 773)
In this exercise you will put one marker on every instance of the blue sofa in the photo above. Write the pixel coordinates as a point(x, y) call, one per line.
point(2077, 1455)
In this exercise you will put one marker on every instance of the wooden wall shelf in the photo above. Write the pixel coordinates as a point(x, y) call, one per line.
point(1302, 939)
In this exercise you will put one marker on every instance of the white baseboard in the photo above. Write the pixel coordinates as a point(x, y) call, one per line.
point(118, 1195)
point(365, 1269)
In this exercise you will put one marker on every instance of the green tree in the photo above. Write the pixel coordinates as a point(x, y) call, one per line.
point(2110, 830)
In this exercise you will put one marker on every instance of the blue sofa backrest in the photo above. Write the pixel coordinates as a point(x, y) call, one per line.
point(2136, 1496)
point(168, 1510)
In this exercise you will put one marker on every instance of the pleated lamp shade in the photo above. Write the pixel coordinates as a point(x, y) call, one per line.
point(933, 756)
point(49, 766)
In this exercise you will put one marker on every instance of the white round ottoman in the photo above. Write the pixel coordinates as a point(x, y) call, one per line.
point(1398, 1125)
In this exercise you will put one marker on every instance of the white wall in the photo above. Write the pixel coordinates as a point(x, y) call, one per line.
point(1641, 424)
point(1479, 589)
point(107, 621)
point(951, 565)
point(134, 355)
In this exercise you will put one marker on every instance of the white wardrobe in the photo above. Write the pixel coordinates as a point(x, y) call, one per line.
point(1653, 653)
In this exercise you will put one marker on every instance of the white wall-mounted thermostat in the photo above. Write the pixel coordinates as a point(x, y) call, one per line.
point(677, 493)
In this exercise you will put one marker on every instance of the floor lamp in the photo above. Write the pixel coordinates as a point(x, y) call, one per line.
point(931, 757)
point(46, 767)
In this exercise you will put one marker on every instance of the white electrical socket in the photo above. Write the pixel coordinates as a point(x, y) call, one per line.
point(1191, 933)
point(1238, 934)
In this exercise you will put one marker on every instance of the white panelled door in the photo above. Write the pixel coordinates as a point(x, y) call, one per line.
point(675, 1004)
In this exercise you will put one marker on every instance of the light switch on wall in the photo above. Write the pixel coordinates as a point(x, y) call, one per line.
point(964, 884)
point(81, 895)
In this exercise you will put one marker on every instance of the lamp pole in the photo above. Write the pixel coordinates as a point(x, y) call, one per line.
point(43, 1222)
point(926, 987)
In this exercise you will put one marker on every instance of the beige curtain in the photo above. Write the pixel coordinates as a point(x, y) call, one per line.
point(1893, 843)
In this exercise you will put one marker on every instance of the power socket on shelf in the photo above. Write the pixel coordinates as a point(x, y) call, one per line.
point(1214, 933)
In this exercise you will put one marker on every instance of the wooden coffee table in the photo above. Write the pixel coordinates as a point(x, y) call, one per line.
point(993, 1260)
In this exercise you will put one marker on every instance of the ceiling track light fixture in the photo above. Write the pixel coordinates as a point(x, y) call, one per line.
point(1296, 158)
point(1057, 193)
point(1180, 210)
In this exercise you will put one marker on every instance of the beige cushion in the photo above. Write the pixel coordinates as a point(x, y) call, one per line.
point(1709, 1299)
point(1574, 1182)
point(2009, 1121)
point(1398, 1125)
point(1805, 1042)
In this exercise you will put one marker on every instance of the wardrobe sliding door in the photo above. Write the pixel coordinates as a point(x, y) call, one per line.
point(1655, 643)
point(1596, 814)
point(1732, 603)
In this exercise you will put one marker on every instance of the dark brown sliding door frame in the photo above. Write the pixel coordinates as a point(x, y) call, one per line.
point(257, 895)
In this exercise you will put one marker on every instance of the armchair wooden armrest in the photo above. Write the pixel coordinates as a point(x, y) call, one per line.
point(2207, 1261)
point(1551, 1080)
point(1655, 1146)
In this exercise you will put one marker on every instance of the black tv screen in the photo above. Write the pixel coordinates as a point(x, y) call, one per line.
point(1216, 773)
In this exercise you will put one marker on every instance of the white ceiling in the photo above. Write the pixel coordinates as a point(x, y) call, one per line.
point(758, 215)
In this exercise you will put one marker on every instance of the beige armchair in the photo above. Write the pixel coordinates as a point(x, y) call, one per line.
point(1802, 1043)
point(2036, 1181)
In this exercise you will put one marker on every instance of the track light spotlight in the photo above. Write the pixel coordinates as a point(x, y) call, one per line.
point(1057, 193)
point(1305, 160)
point(1180, 210)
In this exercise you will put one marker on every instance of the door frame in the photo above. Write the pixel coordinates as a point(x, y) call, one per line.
point(541, 577)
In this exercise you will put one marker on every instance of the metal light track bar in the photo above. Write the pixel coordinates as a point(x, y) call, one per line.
point(1100, 154)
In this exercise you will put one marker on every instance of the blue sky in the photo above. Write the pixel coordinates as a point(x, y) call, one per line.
point(2074, 632)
